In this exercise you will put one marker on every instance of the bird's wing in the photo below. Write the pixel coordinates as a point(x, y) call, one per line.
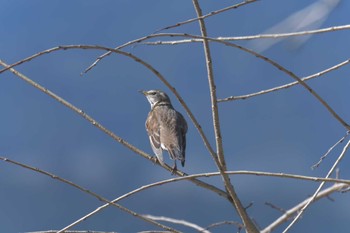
point(183, 130)
point(152, 127)
point(178, 128)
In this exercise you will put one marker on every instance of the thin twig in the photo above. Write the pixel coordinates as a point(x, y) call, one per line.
point(345, 190)
point(116, 48)
point(285, 86)
point(97, 196)
point(249, 225)
point(217, 224)
point(329, 150)
point(275, 207)
point(207, 15)
point(313, 198)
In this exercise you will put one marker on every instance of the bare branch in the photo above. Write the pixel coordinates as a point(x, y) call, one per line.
point(275, 207)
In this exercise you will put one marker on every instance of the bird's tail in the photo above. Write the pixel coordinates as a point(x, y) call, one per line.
point(176, 153)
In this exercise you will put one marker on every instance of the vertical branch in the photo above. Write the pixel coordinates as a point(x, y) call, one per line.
point(249, 225)
point(212, 87)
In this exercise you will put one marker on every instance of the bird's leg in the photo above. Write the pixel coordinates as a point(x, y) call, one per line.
point(174, 168)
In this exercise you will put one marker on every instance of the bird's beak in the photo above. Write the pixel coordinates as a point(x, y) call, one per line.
point(143, 92)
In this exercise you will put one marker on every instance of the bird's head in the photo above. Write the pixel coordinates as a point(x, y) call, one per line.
point(156, 96)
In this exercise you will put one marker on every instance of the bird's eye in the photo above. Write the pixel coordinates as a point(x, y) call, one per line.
point(152, 93)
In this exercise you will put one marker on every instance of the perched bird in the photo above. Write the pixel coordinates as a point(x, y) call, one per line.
point(166, 127)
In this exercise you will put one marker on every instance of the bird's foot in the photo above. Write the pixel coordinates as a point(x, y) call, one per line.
point(154, 160)
point(174, 170)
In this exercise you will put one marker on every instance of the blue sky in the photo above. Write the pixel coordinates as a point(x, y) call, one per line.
point(285, 131)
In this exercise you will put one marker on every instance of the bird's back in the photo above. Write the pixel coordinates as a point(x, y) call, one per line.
point(172, 129)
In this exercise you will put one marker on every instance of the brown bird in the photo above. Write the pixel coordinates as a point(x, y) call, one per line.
point(166, 127)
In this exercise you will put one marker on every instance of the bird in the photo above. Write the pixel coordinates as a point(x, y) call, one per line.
point(166, 128)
